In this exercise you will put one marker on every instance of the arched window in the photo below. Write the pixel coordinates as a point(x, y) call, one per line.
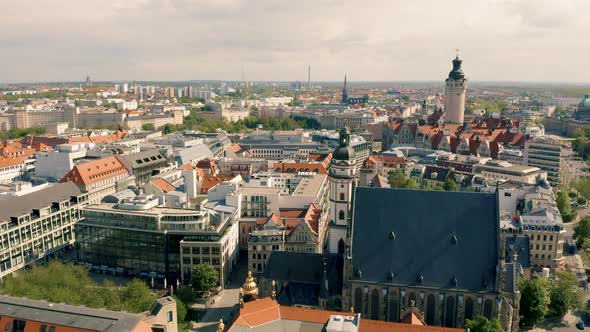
point(341, 196)
point(394, 309)
point(358, 299)
point(375, 304)
point(341, 215)
point(450, 312)
point(469, 308)
point(430, 309)
point(487, 308)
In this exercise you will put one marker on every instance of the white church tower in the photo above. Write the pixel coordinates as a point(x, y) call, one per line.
point(456, 85)
point(343, 180)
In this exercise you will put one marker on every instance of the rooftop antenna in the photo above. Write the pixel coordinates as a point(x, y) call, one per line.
point(309, 77)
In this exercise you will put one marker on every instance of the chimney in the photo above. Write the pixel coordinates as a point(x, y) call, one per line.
point(190, 182)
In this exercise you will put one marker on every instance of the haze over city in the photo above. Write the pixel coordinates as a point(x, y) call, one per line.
point(500, 40)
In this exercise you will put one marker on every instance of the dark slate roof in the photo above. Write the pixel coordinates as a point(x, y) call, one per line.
point(21, 205)
point(142, 159)
point(521, 246)
point(442, 173)
point(298, 294)
point(287, 266)
point(437, 237)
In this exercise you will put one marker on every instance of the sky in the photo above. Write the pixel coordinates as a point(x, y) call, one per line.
point(369, 40)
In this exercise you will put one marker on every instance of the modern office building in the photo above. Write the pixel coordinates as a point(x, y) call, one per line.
point(545, 153)
point(38, 225)
point(144, 239)
point(495, 170)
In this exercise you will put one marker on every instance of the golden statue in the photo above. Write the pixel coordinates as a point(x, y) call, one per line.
point(221, 326)
point(250, 289)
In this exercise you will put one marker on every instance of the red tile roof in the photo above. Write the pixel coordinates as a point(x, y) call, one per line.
point(266, 310)
point(94, 171)
point(164, 185)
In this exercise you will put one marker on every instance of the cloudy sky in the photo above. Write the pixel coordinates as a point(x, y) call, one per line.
point(371, 40)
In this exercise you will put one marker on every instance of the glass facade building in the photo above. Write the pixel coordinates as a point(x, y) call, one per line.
point(147, 241)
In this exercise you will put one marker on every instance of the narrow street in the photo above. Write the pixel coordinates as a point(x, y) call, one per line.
point(224, 304)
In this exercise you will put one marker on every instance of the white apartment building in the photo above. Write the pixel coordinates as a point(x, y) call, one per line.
point(38, 225)
point(11, 169)
point(55, 164)
point(545, 153)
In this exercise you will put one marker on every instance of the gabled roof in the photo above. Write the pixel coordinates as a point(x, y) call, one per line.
point(438, 239)
point(267, 315)
point(95, 171)
point(164, 185)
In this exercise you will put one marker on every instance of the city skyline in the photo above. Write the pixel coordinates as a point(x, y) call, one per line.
point(511, 41)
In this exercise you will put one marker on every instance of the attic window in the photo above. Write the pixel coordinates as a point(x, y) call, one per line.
point(392, 236)
point(454, 281)
point(454, 239)
point(420, 278)
point(391, 275)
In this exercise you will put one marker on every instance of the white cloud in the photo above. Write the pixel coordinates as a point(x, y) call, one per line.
point(275, 40)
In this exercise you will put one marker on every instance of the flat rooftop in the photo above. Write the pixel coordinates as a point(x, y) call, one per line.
point(21, 205)
point(67, 315)
point(155, 211)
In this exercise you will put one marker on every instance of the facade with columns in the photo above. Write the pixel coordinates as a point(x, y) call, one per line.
point(343, 180)
point(412, 247)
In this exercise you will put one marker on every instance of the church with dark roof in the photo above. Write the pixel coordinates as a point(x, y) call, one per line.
point(436, 250)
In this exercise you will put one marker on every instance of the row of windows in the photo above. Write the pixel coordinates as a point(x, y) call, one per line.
point(198, 260)
point(199, 250)
point(543, 247)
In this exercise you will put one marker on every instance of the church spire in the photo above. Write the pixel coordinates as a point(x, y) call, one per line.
point(344, 99)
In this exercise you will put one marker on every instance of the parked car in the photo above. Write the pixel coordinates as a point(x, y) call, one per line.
point(580, 325)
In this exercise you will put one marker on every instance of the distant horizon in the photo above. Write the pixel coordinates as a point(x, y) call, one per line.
point(303, 83)
point(539, 41)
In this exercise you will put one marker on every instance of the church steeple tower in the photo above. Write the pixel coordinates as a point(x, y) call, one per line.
point(343, 180)
point(344, 99)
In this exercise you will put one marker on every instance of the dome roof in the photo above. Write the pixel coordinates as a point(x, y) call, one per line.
point(250, 287)
point(343, 153)
point(457, 73)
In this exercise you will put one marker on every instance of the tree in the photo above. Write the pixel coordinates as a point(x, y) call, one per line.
point(482, 324)
point(137, 296)
point(168, 128)
point(204, 277)
point(148, 127)
point(397, 179)
point(71, 284)
point(582, 231)
point(186, 294)
point(563, 204)
point(535, 299)
point(450, 185)
point(564, 294)
point(583, 187)
point(181, 310)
